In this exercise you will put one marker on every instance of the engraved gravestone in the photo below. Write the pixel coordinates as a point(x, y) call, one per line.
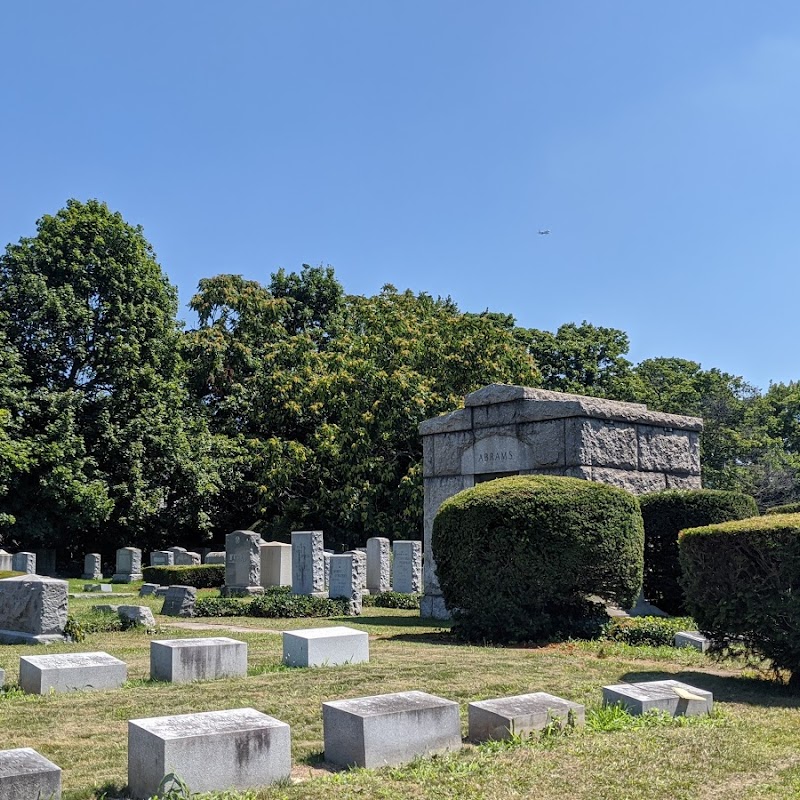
point(276, 564)
point(407, 567)
point(33, 609)
point(129, 565)
point(162, 558)
point(379, 562)
point(242, 564)
point(515, 430)
point(346, 579)
point(24, 562)
point(308, 563)
point(187, 559)
point(92, 568)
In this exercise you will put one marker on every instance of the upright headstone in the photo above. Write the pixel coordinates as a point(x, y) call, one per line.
point(187, 559)
point(6, 561)
point(129, 565)
point(46, 562)
point(407, 567)
point(346, 578)
point(326, 557)
point(308, 563)
point(378, 565)
point(242, 564)
point(361, 554)
point(214, 557)
point(276, 564)
point(162, 558)
point(176, 551)
point(92, 567)
point(33, 610)
point(179, 601)
point(24, 562)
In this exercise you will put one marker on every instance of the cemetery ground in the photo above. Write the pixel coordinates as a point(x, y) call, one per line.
point(749, 747)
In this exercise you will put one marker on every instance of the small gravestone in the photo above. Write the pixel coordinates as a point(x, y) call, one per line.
point(361, 554)
point(326, 559)
point(522, 715)
point(33, 610)
point(389, 729)
point(176, 551)
point(325, 647)
point(186, 660)
point(106, 588)
point(379, 562)
point(2, 678)
point(693, 639)
point(216, 557)
point(407, 566)
point(211, 751)
point(92, 567)
point(24, 562)
point(148, 589)
point(179, 601)
point(27, 775)
point(129, 565)
point(6, 561)
point(69, 672)
point(276, 564)
point(187, 559)
point(308, 563)
point(242, 564)
point(162, 558)
point(345, 582)
point(676, 698)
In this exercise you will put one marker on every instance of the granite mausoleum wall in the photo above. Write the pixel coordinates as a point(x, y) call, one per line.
point(515, 430)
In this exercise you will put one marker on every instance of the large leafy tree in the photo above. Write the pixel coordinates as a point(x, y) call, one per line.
point(117, 457)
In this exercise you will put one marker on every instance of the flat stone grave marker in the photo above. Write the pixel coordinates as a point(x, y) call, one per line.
point(98, 587)
point(187, 660)
point(33, 609)
point(214, 750)
point(325, 647)
point(69, 672)
point(389, 729)
point(27, 775)
point(521, 715)
point(179, 601)
point(674, 697)
point(407, 566)
point(308, 562)
point(379, 565)
point(693, 639)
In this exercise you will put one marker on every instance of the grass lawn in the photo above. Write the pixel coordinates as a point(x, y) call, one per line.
point(750, 748)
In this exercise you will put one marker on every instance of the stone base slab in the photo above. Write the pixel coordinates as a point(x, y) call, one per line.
point(662, 695)
point(693, 639)
point(18, 637)
point(126, 577)
point(520, 715)
point(241, 591)
point(26, 775)
point(187, 660)
point(68, 672)
point(325, 647)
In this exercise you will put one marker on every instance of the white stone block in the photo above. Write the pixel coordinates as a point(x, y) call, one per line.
point(521, 715)
point(325, 647)
point(69, 672)
point(276, 564)
point(2, 677)
point(674, 697)
point(379, 563)
point(693, 639)
point(389, 729)
point(185, 660)
point(27, 775)
point(214, 750)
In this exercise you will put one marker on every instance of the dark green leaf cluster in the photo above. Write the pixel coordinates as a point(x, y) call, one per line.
point(667, 513)
point(741, 584)
point(650, 631)
point(517, 557)
point(392, 600)
point(276, 602)
point(201, 576)
point(786, 508)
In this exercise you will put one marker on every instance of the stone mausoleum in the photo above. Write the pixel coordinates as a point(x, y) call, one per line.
point(515, 430)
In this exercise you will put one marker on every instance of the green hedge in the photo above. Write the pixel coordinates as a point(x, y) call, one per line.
point(667, 513)
point(391, 600)
point(649, 631)
point(276, 602)
point(201, 576)
point(788, 508)
point(516, 557)
point(741, 581)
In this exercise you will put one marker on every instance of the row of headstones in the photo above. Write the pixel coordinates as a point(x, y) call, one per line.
point(18, 562)
point(251, 749)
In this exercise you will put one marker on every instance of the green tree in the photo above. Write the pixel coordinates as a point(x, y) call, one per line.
point(117, 454)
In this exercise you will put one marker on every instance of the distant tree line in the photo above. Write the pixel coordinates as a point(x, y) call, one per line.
point(291, 405)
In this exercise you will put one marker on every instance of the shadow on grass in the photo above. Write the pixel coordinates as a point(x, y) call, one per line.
point(393, 622)
point(754, 691)
point(111, 790)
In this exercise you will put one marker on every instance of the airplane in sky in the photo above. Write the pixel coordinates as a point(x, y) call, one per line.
point(544, 232)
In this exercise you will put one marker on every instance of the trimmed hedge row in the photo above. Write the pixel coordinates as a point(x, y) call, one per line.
point(667, 513)
point(787, 508)
point(201, 576)
point(276, 602)
point(516, 557)
point(741, 581)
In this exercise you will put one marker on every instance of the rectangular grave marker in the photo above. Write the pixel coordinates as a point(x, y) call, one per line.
point(325, 647)
point(69, 672)
point(347, 570)
point(28, 775)
point(186, 660)
point(379, 564)
point(521, 715)
point(407, 567)
point(308, 563)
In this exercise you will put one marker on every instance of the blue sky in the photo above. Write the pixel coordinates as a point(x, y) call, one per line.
point(424, 142)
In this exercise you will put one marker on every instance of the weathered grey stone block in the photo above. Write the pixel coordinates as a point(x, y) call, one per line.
point(325, 647)
point(545, 442)
point(497, 450)
point(389, 729)
point(105, 588)
point(521, 715)
point(69, 672)
point(630, 480)
point(179, 601)
point(379, 564)
point(188, 559)
point(6, 561)
point(24, 562)
point(276, 564)
point(243, 562)
point(216, 557)
point(683, 481)
point(674, 697)
point(693, 639)
point(601, 443)
point(92, 567)
point(347, 574)
point(147, 589)
point(308, 562)
point(27, 775)
point(162, 558)
point(448, 451)
point(33, 609)
point(213, 750)
point(407, 566)
point(669, 450)
point(186, 660)
point(129, 565)
point(138, 615)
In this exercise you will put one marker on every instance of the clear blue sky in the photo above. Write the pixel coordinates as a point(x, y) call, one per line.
point(424, 142)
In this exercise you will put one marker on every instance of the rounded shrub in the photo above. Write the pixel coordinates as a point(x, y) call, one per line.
point(516, 557)
point(787, 508)
point(742, 584)
point(667, 513)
